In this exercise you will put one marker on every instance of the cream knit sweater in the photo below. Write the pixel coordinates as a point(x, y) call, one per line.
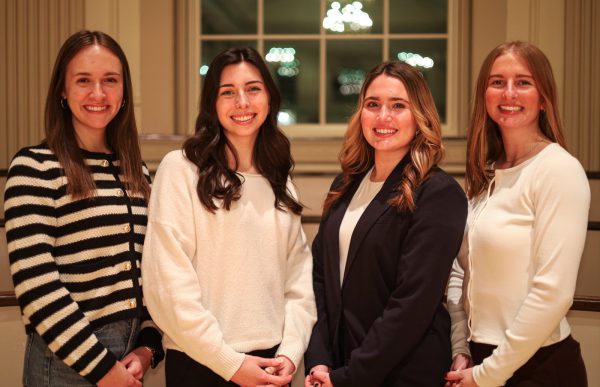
point(222, 284)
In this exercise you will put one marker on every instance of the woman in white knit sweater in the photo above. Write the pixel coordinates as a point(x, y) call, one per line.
point(226, 261)
point(514, 280)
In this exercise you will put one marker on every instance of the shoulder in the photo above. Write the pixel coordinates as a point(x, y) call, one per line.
point(176, 160)
point(37, 161)
point(558, 159)
point(557, 170)
point(37, 154)
point(440, 180)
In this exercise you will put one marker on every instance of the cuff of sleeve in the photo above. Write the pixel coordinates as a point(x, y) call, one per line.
point(226, 363)
point(151, 337)
point(292, 352)
point(339, 376)
point(483, 381)
point(106, 362)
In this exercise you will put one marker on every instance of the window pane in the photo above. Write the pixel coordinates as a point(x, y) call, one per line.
point(295, 68)
point(347, 64)
point(292, 17)
point(228, 17)
point(429, 56)
point(418, 16)
point(210, 49)
point(353, 17)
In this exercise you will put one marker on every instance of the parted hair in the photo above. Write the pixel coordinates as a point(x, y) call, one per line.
point(207, 149)
point(121, 132)
point(426, 150)
point(484, 141)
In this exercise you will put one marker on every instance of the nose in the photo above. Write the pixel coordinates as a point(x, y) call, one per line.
point(242, 100)
point(385, 114)
point(510, 91)
point(98, 90)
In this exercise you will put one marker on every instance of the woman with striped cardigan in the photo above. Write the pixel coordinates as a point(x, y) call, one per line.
point(75, 209)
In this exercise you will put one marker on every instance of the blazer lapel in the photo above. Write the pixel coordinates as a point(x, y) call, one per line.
point(373, 211)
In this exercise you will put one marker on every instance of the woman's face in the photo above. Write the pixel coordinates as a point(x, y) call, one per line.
point(93, 89)
point(512, 99)
point(242, 101)
point(387, 122)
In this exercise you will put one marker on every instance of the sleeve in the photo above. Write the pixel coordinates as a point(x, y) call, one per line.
point(46, 304)
point(429, 247)
point(172, 291)
point(561, 195)
point(319, 347)
point(300, 310)
point(459, 329)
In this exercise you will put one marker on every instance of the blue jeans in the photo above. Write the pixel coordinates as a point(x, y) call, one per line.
point(42, 368)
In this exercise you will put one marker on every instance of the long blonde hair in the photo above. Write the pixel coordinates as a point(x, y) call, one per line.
point(484, 142)
point(426, 150)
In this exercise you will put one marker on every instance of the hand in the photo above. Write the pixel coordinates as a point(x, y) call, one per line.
point(461, 361)
point(252, 373)
point(118, 376)
point(462, 378)
point(318, 377)
point(286, 368)
point(137, 362)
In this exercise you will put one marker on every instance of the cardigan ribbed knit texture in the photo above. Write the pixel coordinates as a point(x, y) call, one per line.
point(75, 263)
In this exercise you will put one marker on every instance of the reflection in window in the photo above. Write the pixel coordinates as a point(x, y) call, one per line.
point(318, 51)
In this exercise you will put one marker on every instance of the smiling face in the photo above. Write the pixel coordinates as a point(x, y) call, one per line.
point(243, 101)
point(93, 89)
point(512, 99)
point(387, 122)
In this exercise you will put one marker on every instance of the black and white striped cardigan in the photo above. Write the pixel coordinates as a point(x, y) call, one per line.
point(75, 264)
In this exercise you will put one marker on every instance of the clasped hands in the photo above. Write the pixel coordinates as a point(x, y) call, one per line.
point(318, 377)
point(129, 371)
point(461, 374)
point(264, 372)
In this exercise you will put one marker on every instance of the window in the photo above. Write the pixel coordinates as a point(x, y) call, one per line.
point(319, 50)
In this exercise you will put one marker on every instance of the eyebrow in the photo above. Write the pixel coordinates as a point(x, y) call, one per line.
point(389, 99)
point(111, 73)
point(518, 76)
point(246, 84)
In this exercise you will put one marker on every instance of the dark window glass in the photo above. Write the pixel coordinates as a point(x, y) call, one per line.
point(229, 17)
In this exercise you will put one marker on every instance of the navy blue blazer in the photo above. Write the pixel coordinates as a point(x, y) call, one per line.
point(387, 324)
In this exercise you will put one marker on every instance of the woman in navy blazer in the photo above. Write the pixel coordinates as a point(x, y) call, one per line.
point(393, 223)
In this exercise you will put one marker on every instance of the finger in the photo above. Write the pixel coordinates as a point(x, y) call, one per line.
point(270, 370)
point(278, 380)
point(453, 375)
point(265, 362)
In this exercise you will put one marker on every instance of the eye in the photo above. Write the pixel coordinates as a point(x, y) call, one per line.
point(82, 81)
point(111, 80)
point(496, 82)
point(226, 92)
point(371, 104)
point(524, 82)
point(254, 89)
point(399, 105)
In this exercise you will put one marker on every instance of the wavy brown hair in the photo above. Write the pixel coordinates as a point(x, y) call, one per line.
point(121, 132)
point(484, 141)
point(426, 150)
point(207, 148)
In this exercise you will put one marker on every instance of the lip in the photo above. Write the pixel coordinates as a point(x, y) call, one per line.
point(384, 132)
point(96, 108)
point(510, 109)
point(243, 119)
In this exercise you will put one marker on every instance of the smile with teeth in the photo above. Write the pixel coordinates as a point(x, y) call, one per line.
point(243, 118)
point(510, 108)
point(385, 131)
point(96, 108)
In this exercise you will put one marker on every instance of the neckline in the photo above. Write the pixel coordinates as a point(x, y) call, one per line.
point(524, 163)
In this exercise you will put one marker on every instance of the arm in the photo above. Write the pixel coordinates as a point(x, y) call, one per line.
point(429, 247)
point(45, 302)
point(300, 310)
point(459, 328)
point(561, 196)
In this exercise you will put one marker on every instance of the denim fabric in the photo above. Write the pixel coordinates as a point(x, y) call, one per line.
point(42, 368)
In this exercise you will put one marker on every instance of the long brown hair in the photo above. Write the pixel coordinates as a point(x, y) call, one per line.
point(207, 148)
point(484, 141)
point(121, 132)
point(426, 150)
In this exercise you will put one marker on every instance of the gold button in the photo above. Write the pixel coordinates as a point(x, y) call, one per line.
point(132, 304)
point(127, 266)
point(126, 228)
point(120, 193)
point(105, 163)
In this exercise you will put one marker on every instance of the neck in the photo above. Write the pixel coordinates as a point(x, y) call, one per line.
point(385, 163)
point(245, 156)
point(95, 142)
point(519, 146)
